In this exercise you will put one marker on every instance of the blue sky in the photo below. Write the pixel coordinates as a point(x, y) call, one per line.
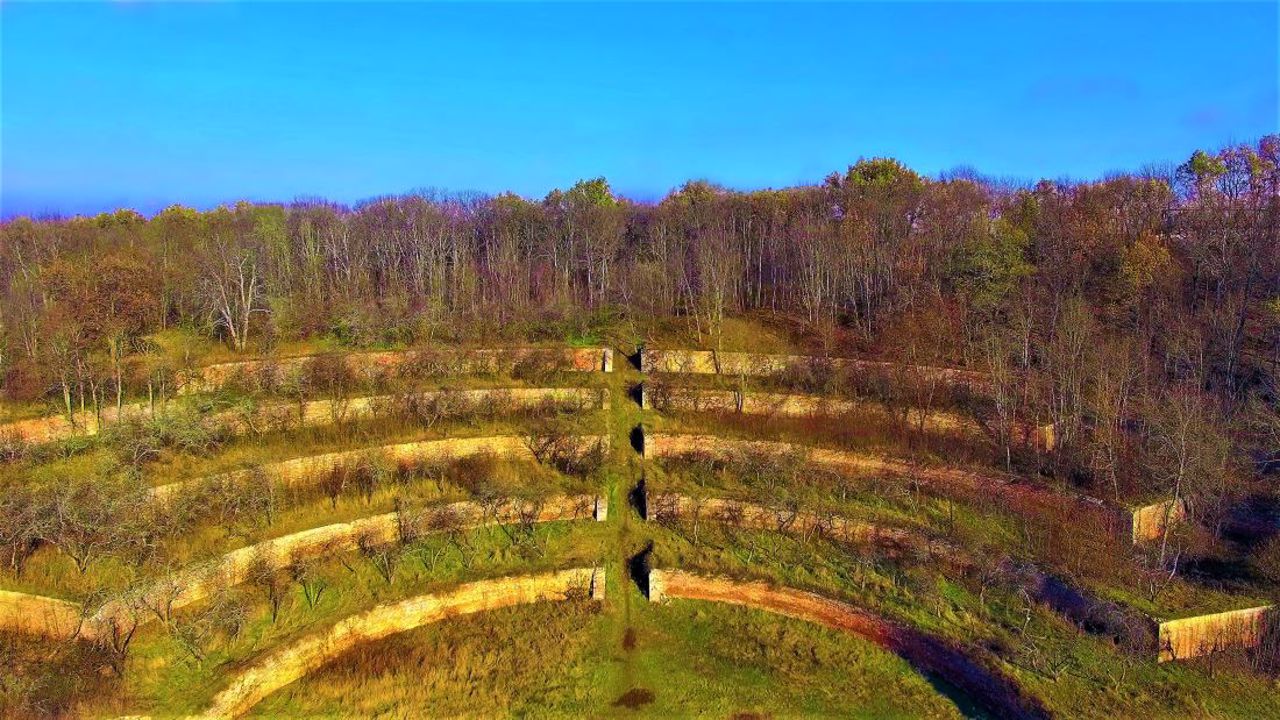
point(139, 105)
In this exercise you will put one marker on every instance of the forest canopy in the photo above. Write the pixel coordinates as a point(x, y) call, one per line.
point(1170, 276)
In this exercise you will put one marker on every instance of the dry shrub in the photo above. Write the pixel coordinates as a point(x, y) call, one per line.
point(261, 378)
point(1266, 560)
point(664, 509)
point(415, 523)
point(12, 447)
point(1265, 658)
point(364, 475)
point(535, 366)
point(218, 621)
point(39, 679)
point(570, 454)
point(427, 409)
point(23, 525)
point(659, 392)
point(473, 473)
point(240, 503)
point(138, 440)
point(812, 375)
point(382, 556)
point(327, 376)
point(426, 364)
point(304, 570)
point(263, 576)
point(492, 405)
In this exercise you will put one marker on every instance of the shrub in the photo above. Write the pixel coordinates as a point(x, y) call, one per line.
point(23, 523)
point(142, 439)
point(573, 455)
point(535, 366)
point(327, 376)
point(12, 447)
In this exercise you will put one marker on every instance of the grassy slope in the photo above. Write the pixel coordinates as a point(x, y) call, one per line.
point(692, 657)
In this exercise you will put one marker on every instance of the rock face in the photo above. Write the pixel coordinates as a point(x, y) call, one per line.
point(282, 667)
point(986, 686)
point(1147, 523)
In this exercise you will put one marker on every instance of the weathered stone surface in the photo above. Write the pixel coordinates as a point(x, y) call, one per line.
point(292, 415)
point(37, 615)
point(49, 617)
point(973, 483)
point(439, 363)
point(711, 362)
point(1195, 636)
point(1147, 523)
point(736, 513)
point(792, 405)
point(304, 470)
point(286, 665)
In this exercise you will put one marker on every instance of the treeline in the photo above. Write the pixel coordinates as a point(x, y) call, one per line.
point(1087, 297)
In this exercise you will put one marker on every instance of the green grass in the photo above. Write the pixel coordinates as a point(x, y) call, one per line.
point(675, 660)
point(355, 585)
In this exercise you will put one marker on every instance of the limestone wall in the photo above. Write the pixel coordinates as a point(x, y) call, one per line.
point(279, 668)
point(711, 362)
point(958, 480)
point(302, 471)
point(687, 399)
point(290, 415)
point(1147, 523)
point(986, 686)
point(662, 507)
point(57, 427)
point(417, 363)
point(37, 615)
point(49, 617)
point(1204, 634)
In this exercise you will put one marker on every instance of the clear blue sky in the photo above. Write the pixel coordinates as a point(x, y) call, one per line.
point(145, 105)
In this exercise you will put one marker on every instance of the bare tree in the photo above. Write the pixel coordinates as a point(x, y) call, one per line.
point(232, 291)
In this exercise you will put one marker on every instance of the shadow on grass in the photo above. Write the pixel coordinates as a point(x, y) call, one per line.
point(639, 566)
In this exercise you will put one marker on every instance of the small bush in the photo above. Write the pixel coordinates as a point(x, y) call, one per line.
point(141, 440)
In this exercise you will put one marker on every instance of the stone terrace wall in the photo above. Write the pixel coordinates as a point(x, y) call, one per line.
point(1204, 634)
point(302, 471)
point(284, 415)
point(418, 363)
point(50, 617)
point(286, 665)
point(932, 656)
point(37, 615)
point(290, 415)
point(711, 362)
point(234, 567)
point(1147, 523)
point(974, 484)
point(666, 507)
point(58, 427)
point(689, 399)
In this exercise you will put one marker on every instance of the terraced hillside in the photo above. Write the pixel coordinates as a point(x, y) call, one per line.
point(593, 532)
